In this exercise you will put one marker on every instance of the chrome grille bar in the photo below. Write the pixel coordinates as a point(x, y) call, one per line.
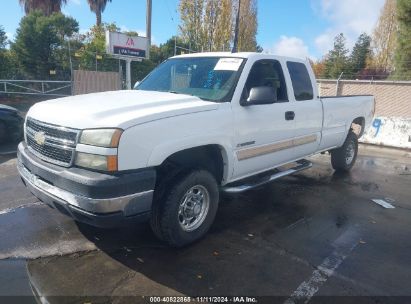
point(59, 145)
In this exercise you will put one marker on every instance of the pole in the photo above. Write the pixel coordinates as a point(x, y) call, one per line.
point(71, 66)
point(237, 28)
point(128, 73)
point(148, 26)
point(337, 86)
point(175, 45)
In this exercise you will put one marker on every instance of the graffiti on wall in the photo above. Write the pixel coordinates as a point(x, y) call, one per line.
point(376, 124)
point(389, 131)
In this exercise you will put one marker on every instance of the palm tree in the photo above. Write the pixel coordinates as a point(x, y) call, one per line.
point(98, 7)
point(47, 7)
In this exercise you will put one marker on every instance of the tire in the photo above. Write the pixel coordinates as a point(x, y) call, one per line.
point(343, 158)
point(187, 208)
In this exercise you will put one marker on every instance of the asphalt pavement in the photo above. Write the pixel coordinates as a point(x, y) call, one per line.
point(308, 237)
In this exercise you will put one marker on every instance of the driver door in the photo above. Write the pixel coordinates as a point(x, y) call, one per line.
point(264, 133)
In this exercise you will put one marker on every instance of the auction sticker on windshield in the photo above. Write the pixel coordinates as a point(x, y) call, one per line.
point(228, 64)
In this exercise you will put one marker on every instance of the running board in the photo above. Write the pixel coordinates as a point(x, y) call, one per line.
point(248, 184)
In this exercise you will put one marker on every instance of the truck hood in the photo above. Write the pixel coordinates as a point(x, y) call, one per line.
point(122, 109)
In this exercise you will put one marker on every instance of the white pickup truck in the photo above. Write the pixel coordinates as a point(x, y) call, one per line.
point(197, 125)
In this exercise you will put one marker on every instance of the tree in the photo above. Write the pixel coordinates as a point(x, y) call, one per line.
point(211, 15)
point(47, 7)
point(4, 55)
point(384, 38)
point(91, 45)
point(224, 26)
point(207, 25)
point(39, 43)
point(166, 50)
point(336, 61)
point(217, 25)
point(98, 7)
point(318, 68)
point(403, 51)
point(3, 38)
point(247, 41)
point(192, 17)
point(360, 53)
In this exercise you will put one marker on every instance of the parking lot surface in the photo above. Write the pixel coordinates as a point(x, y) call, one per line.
point(305, 237)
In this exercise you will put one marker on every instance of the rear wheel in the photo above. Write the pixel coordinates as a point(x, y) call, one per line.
point(343, 158)
point(187, 209)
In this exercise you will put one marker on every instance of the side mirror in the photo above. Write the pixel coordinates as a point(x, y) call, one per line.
point(261, 95)
point(136, 85)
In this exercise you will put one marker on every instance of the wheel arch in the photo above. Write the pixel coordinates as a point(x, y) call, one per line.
point(212, 157)
point(358, 126)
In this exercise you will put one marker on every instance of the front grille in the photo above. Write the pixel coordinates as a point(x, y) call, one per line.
point(53, 131)
point(59, 144)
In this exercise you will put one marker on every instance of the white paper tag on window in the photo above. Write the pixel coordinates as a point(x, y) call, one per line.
point(228, 64)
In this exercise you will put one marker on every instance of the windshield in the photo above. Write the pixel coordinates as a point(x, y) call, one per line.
point(209, 78)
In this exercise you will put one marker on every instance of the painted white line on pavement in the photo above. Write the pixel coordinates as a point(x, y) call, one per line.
point(10, 210)
point(383, 203)
point(7, 152)
point(343, 245)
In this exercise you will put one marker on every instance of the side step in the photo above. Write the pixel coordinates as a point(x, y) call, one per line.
point(253, 182)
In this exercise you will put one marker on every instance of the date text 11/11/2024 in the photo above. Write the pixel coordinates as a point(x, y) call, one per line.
point(185, 299)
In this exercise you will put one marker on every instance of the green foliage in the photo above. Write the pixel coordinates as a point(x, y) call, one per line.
point(247, 41)
point(47, 7)
point(5, 57)
point(3, 38)
point(403, 51)
point(336, 61)
point(39, 41)
point(88, 48)
point(384, 39)
point(158, 54)
point(359, 55)
point(166, 50)
point(207, 25)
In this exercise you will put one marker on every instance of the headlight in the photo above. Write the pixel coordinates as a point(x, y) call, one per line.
point(97, 162)
point(107, 138)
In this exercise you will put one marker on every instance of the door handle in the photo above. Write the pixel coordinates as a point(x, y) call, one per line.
point(289, 115)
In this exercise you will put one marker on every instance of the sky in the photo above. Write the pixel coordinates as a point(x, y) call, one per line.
point(300, 28)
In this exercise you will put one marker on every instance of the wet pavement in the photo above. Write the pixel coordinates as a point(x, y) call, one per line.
point(313, 234)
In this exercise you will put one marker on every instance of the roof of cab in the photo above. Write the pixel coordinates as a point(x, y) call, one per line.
point(245, 55)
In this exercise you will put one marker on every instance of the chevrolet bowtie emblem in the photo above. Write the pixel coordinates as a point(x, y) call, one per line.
point(40, 138)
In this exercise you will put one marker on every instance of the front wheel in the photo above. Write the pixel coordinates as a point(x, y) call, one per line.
point(343, 158)
point(187, 208)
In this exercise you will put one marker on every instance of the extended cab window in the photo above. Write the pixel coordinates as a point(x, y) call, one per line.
point(303, 89)
point(267, 73)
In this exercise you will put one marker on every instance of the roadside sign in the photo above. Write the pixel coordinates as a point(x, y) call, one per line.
point(125, 46)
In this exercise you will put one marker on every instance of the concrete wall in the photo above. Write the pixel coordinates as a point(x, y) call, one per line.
point(392, 123)
point(90, 81)
point(394, 132)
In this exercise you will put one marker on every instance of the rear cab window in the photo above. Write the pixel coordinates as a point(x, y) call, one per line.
point(301, 81)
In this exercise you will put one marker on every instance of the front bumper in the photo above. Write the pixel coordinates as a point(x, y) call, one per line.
point(98, 199)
